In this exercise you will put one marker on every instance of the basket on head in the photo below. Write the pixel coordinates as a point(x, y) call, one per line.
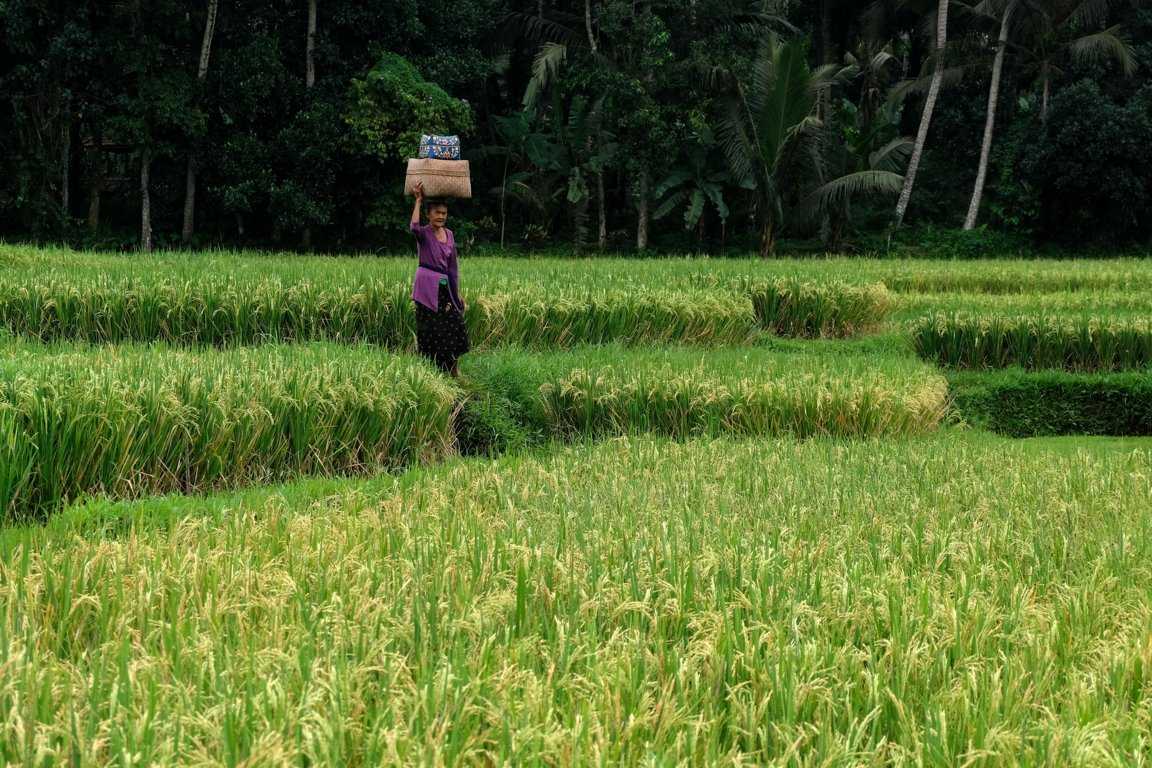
point(441, 178)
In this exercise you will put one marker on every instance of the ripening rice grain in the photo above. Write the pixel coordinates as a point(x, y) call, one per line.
point(823, 309)
point(551, 318)
point(599, 391)
point(937, 601)
point(227, 309)
point(1075, 344)
point(133, 421)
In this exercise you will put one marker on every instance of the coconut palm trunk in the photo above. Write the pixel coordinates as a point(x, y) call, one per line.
point(642, 212)
point(926, 115)
point(145, 200)
point(602, 234)
point(190, 176)
point(310, 49)
point(309, 82)
point(990, 120)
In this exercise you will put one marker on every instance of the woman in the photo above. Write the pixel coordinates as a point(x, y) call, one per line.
point(440, 332)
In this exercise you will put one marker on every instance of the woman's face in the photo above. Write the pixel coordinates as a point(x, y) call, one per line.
point(438, 215)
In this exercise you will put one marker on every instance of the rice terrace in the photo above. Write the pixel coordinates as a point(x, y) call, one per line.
point(576, 383)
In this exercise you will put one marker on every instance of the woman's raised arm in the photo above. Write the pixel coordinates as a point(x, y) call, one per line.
point(418, 190)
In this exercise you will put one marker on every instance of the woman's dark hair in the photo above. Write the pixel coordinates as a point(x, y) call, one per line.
point(434, 202)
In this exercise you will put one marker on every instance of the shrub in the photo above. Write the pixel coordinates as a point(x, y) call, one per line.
point(1023, 404)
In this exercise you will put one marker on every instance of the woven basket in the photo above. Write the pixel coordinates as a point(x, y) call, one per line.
point(442, 178)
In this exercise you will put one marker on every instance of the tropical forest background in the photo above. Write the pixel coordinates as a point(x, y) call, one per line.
point(720, 126)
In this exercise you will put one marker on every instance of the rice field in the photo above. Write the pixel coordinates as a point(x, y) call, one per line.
point(677, 511)
point(597, 392)
point(129, 421)
point(1086, 344)
point(636, 602)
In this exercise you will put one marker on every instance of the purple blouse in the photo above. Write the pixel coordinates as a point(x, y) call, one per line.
point(437, 260)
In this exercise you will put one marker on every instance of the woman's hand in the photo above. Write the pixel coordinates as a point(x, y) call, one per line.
point(418, 191)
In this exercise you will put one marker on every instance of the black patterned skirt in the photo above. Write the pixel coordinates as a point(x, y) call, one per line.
point(441, 336)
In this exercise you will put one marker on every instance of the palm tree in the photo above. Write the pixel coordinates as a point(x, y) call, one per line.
point(926, 114)
point(1043, 20)
point(1053, 38)
point(201, 75)
point(767, 120)
point(865, 156)
point(1006, 9)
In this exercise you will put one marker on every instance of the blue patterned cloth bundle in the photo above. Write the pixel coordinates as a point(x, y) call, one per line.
point(440, 147)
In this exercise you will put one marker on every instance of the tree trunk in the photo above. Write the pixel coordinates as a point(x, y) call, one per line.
point(309, 81)
point(310, 77)
point(588, 25)
point(206, 42)
point(94, 205)
point(990, 120)
point(926, 115)
point(767, 239)
point(189, 227)
point(642, 213)
point(94, 174)
point(66, 170)
point(1044, 99)
point(827, 56)
point(602, 235)
point(145, 201)
point(503, 197)
point(189, 202)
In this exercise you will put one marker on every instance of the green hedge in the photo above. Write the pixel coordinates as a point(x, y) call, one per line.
point(1022, 404)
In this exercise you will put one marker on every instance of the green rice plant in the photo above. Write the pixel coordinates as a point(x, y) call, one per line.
point(227, 310)
point(211, 310)
point(1020, 276)
point(913, 308)
point(945, 600)
point(133, 421)
point(544, 318)
point(498, 274)
point(609, 391)
point(1083, 344)
point(792, 307)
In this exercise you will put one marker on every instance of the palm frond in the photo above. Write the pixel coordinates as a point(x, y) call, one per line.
point(893, 156)
point(1105, 46)
point(544, 70)
point(951, 76)
point(754, 24)
point(555, 28)
point(882, 59)
point(838, 192)
point(763, 74)
point(1089, 13)
point(735, 141)
point(788, 104)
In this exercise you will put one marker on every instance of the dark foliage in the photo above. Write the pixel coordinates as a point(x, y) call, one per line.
point(1053, 403)
point(621, 124)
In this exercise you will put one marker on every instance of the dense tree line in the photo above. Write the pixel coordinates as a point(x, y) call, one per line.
point(610, 124)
